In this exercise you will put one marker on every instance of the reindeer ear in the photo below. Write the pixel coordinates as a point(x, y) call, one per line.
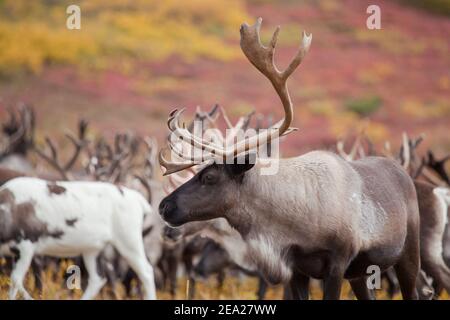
point(241, 164)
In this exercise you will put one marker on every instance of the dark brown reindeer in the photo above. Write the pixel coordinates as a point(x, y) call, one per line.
point(438, 165)
point(17, 139)
point(433, 214)
point(319, 216)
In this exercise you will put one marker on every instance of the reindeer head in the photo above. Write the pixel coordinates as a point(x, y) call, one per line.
point(213, 191)
point(208, 195)
point(18, 132)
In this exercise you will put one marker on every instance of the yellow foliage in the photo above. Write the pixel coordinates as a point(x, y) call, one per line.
point(33, 35)
point(376, 73)
point(323, 107)
point(377, 132)
point(393, 41)
point(420, 110)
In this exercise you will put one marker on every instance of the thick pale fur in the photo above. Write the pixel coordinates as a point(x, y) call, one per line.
point(320, 216)
point(320, 196)
point(443, 195)
point(433, 221)
point(80, 219)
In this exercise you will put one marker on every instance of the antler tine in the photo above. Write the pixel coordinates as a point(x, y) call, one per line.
point(225, 117)
point(214, 111)
point(145, 183)
point(340, 149)
point(418, 140)
point(405, 152)
point(418, 172)
point(356, 147)
point(262, 58)
point(52, 159)
point(387, 150)
point(150, 157)
point(172, 167)
point(370, 146)
point(79, 143)
point(247, 120)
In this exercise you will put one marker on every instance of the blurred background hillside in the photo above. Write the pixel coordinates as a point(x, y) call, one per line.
point(132, 62)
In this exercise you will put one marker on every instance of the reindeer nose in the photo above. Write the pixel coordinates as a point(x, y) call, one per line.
point(166, 207)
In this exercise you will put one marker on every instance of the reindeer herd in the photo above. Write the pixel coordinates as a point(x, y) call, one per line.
point(322, 215)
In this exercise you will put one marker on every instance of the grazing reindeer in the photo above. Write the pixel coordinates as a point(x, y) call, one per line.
point(18, 140)
point(231, 242)
point(65, 219)
point(433, 215)
point(319, 216)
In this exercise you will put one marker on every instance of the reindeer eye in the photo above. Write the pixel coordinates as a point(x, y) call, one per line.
point(208, 178)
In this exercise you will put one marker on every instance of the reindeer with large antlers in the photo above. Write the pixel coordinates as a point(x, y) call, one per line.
point(319, 216)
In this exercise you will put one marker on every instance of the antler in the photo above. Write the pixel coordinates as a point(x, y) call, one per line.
point(408, 150)
point(20, 131)
point(262, 58)
point(205, 117)
point(355, 148)
point(78, 142)
point(113, 163)
point(438, 165)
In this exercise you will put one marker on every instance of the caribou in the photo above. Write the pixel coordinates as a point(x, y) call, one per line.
point(433, 212)
point(319, 216)
point(65, 219)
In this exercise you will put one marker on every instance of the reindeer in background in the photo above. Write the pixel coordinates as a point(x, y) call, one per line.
point(16, 140)
point(433, 212)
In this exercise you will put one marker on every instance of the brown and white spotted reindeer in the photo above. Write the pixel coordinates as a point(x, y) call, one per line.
point(71, 218)
point(319, 216)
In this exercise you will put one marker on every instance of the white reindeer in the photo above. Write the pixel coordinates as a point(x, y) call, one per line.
point(66, 219)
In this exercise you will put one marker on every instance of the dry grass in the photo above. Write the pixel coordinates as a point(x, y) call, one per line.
point(235, 288)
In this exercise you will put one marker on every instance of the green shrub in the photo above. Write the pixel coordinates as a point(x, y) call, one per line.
point(364, 106)
point(436, 6)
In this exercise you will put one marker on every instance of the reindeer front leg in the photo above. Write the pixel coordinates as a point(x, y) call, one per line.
point(25, 251)
point(298, 287)
point(360, 289)
point(332, 281)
